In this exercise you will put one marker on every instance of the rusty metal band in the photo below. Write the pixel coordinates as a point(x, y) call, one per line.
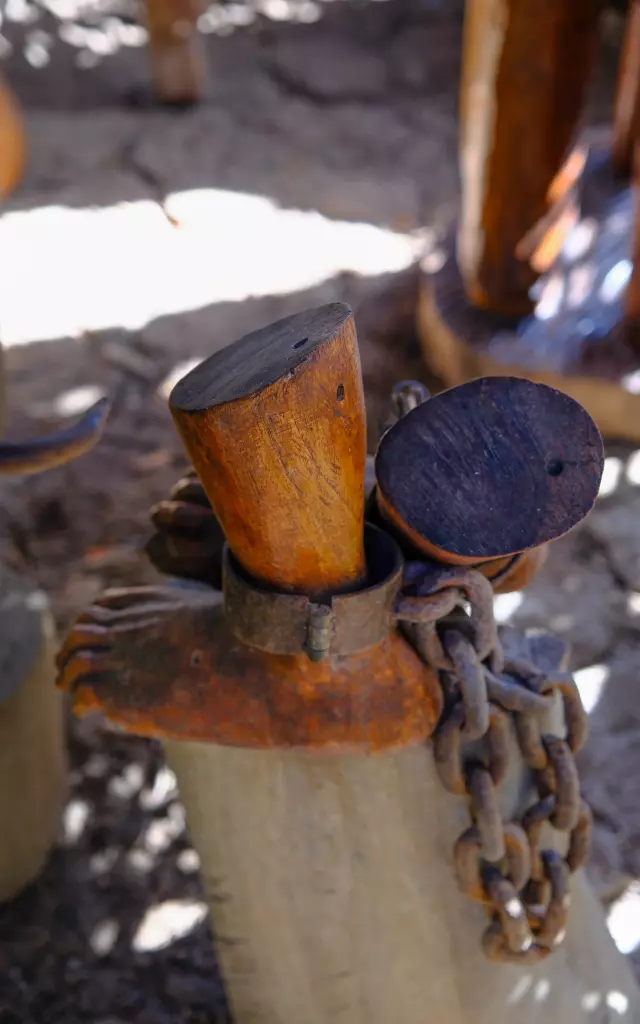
point(291, 624)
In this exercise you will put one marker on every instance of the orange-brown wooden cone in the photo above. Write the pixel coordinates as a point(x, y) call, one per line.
point(275, 428)
point(12, 142)
point(526, 65)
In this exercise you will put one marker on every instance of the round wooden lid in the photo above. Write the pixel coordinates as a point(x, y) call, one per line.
point(490, 468)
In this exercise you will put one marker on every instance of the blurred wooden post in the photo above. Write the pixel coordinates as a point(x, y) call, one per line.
point(626, 116)
point(33, 763)
point(176, 50)
point(526, 65)
point(12, 142)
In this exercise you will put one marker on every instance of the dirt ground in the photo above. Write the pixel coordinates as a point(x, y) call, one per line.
point(323, 159)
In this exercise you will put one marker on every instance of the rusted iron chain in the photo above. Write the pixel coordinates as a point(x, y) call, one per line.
point(447, 615)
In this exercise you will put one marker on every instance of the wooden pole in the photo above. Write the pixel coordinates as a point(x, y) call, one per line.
point(526, 65)
point(12, 142)
point(626, 114)
point(33, 764)
point(176, 50)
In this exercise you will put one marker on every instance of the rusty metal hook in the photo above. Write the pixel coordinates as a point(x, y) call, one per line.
point(47, 452)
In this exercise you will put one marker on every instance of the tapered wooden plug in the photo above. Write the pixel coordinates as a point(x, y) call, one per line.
point(275, 428)
point(494, 467)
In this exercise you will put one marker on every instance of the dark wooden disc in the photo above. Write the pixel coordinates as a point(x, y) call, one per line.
point(492, 467)
point(259, 359)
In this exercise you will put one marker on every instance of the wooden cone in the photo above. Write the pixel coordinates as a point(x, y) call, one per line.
point(33, 766)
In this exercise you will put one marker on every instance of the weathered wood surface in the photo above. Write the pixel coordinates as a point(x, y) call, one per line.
point(275, 428)
point(12, 142)
point(176, 50)
point(33, 768)
point(626, 114)
point(332, 894)
point(526, 66)
point(490, 468)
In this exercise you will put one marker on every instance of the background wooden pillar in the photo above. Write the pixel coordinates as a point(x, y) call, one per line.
point(626, 114)
point(176, 50)
point(12, 142)
point(526, 66)
point(33, 763)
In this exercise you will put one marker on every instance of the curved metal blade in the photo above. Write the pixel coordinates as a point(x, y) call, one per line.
point(47, 452)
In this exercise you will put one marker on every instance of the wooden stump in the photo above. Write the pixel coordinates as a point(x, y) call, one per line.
point(33, 766)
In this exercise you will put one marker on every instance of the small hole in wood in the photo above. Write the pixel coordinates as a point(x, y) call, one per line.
point(196, 659)
point(299, 344)
point(555, 467)
point(340, 393)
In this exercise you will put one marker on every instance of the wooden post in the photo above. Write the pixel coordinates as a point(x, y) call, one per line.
point(176, 50)
point(33, 763)
point(626, 115)
point(12, 142)
point(329, 873)
point(526, 64)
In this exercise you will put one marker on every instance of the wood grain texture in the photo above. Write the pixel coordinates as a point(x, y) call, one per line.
point(176, 50)
point(33, 766)
point(275, 428)
point(490, 468)
point(13, 144)
point(526, 66)
point(333, 900)
point(626, 112)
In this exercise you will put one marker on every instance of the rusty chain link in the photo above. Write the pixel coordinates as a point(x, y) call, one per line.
point(447, 615)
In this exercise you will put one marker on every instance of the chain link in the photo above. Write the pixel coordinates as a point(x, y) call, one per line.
point(447, 615)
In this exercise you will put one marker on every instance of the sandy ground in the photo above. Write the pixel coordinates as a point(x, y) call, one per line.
point(322, 160)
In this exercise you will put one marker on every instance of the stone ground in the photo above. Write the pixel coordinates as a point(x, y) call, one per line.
point(322, 160)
